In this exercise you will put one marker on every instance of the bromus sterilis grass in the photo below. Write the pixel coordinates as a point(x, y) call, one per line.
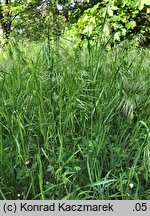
point(74, 122)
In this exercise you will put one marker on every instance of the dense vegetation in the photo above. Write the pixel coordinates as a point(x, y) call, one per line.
point(119, 19)
point(74, 103)
point(74, 123)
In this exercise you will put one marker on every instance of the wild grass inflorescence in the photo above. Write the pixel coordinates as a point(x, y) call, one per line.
point(74, 123)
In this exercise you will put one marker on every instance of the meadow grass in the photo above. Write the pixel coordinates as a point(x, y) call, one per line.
point(74, 123)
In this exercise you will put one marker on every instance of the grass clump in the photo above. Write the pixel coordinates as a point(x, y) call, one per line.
point(74, 123)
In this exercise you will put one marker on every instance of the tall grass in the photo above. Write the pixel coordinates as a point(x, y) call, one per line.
point(74, 123)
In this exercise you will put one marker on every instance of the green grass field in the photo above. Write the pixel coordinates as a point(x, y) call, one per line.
point(74, 123)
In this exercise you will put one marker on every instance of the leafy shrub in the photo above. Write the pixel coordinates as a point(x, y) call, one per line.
point(122, 19)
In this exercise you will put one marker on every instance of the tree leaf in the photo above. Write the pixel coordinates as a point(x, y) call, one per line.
point(131, 24)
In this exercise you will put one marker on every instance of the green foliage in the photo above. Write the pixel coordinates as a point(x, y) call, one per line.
point(120, 19)
point(31, 19)
point(35, 19)
point(74, 124)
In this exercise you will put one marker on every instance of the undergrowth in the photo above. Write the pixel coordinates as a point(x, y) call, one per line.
point(74, 123)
